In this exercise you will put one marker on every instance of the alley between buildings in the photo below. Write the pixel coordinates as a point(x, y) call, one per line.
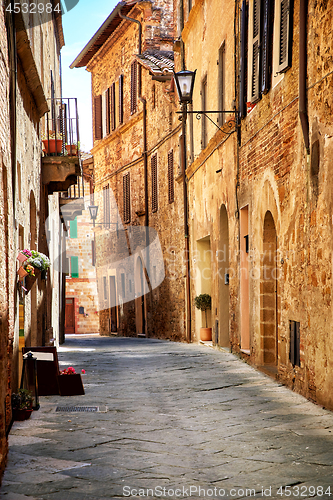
point(173, 421)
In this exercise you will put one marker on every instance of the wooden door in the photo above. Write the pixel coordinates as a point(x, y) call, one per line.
point(69, 316)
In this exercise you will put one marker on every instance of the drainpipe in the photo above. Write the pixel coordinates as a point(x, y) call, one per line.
point(12, 98)
point(132, 20)
point(303, 15)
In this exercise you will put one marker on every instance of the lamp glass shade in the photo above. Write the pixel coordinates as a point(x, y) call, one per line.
point(185, 83)
point(93, 209)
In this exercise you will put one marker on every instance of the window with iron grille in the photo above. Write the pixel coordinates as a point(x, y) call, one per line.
point(98, 117)
point(106, 205)
point(113, 105)
point(171, 189)
point(294, 353)
point(121, 99)
point(154, 190)
point(134, 86)
point(127, 198)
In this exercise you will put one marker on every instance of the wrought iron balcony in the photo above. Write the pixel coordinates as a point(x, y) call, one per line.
point(61, 163)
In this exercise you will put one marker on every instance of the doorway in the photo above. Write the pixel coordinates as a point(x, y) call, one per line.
point(70, 316)
point(140, 290)
point(269, 330)
point(113, 305)
point(223, 262)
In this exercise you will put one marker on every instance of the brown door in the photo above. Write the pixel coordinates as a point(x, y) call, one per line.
point(69, 316)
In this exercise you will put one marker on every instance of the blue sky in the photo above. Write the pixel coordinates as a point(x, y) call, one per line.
point(79, 25)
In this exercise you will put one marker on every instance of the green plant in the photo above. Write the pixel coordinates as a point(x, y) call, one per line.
point(203, 302)
point(22, 400)
point(39, 260)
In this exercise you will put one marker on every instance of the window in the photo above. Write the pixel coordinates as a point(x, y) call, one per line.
point(134, 85)
point(221, 87)
point(113, 105)
point(127, 197)
point(121, 99)
point(263, 17)
point(294, 353)
point(106, 205)
point(107, 111)
point(171, 190)
point(154, 190)
point(243, 60)
point(203, 117)
point(98, 116)
point(73, 228)
point(74, 267)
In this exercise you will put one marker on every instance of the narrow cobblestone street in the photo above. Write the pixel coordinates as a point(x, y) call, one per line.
point(195, 421)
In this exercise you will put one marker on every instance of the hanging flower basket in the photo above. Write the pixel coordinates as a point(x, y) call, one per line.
point(30, 280)
point(22, 273)
point(21, 257)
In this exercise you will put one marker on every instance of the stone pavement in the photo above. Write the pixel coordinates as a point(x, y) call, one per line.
point(174, 421)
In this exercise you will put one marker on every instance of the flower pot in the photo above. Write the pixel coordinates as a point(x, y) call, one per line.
point(21, 257)
point(53, 146)
point(30, 280)
point(19, 415)
point(71, 149)
point(70, 385)
point(205, 334)
point(22, 273)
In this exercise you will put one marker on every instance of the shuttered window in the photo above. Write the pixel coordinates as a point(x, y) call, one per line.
point(285, 8)
point(106, 205)
point(107, 111)
point(134, 86)
point(154, 200)
point(121, 99)
point(74, 267)
point(267, 45)
point(73, 228)
point(113, 105)
point(98, 117)
point(243, 60)
point(127, 198)
point(171, 189)
point(255, 47)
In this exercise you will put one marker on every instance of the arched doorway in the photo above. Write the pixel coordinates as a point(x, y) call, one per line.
point(223, 262)
point(269, 330)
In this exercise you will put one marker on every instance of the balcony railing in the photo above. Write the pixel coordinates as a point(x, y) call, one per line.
point(61, 137)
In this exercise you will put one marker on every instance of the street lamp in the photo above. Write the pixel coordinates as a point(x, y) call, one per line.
point(185, 83)
point(93, 209)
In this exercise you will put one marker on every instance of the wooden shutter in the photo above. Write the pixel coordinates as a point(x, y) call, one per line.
point(107, 110)
point(126, 198)
point(297, 344)
point(113, 105)
point(73, 228)
point(255, 43)
point(74, 267)
point(134, 85)
point(154, 201)
point(243, 61)
point(292, 342)
point(171, 189)
point(266, 55)
point(121, 99)
point(294, 354)
point(285, 34)
point(98, 116)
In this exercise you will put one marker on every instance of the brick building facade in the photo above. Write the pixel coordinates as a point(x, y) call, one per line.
point(30, 218)
point(136, 172)
point(259, 199)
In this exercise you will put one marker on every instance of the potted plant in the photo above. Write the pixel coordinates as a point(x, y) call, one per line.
point(52, 142)
point(204, 302)
point(39, 261)
point(22, 404)
point(70, 382)
point(72, 149)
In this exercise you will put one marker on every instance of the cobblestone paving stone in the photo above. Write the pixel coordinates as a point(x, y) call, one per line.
point(176, 421)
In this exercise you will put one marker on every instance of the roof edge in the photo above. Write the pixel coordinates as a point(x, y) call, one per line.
point(84, 51)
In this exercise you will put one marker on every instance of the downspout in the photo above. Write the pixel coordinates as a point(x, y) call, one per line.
point(132, 20)
point(12, 98)
point(303, 15)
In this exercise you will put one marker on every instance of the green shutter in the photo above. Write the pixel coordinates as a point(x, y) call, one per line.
point(73, 228)
point(74, 267)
